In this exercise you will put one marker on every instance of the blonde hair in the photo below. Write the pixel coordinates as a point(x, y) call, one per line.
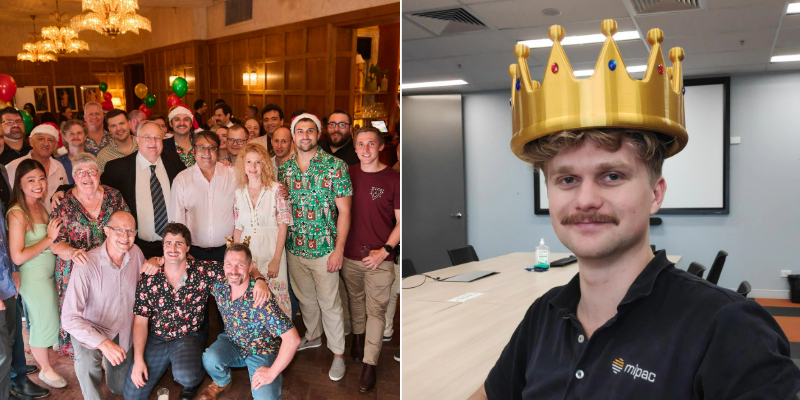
point(650, 146)
point(267, 171)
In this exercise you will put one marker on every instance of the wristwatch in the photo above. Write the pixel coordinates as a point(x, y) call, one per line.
point(387, 248)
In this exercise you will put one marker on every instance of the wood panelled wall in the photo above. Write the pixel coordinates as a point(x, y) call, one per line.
point(187, 60)
point(67, 71)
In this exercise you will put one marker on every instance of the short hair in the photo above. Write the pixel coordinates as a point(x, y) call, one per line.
point(254, 108)
point(92, 103)
point(272, 107)
point(134, 114)
point(349, 118)
point(371, 129)
point(218, 101)
point(226, 109)
point(176, 228)
point(650, 146)
point(208, 135)
point(149, 122)
point(116, 113)
point(10, 110)
point(240, 248)
point(156, 117)
point(236, 127)
point(298, 112)
point(71, 123)
point(84, 158)
point(198, 104)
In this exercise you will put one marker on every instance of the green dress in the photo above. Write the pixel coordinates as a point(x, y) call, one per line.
point(38, 290)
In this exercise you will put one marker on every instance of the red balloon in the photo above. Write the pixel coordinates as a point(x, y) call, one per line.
point(173, 100)
point(143, 108)
point(107, 105)
point(8, 88)
point(107, 96)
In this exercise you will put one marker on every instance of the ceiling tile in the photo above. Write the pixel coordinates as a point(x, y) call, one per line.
point(788, 37)
point(412, 31)
point(572, 29)
point(526, 13)
point(722, 20)
point(721, 42)
point(424, 5)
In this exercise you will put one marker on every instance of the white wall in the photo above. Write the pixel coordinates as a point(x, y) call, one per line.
point(761, 234)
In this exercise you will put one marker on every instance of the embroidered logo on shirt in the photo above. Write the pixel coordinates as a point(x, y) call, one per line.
point(376, 192)
point(619, 365)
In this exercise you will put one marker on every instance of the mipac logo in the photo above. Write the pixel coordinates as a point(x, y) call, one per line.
point(619, 365)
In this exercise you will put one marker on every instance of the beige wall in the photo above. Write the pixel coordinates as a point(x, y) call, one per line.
point(269, 13)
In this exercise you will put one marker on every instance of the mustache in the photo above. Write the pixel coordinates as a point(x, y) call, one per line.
point(592, 217)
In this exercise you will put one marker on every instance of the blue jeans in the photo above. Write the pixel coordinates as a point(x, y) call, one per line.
point(223, 354)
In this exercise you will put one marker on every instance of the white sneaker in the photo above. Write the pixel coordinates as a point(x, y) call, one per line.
point(337, 369)
point(305, 344)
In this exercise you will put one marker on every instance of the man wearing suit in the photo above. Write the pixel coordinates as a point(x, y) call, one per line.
point(144, 178)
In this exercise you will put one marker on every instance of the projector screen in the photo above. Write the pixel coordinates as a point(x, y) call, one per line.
point(697, 177)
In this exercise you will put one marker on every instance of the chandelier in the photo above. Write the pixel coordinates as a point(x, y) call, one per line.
point(110, 17)
point(64, 39)
point(37, 50)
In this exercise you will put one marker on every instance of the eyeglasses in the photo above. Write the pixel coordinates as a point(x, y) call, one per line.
point(13, 122)
point(82, 173)
point(152, 139)
point(236, 141)
point(205, 149)
point(342, 125)
point(121, 232)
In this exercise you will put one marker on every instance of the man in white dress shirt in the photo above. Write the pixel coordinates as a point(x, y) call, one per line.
point(202, 199)
point(44, 139)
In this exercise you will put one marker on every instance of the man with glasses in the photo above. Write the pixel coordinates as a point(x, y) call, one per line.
point(97, 138)
point(44, 139)
point(340, 143)
point(13, 132)
point(123, 143)
point(144, 179)
point(99, 320)
point(202, 199)
point(237, 138)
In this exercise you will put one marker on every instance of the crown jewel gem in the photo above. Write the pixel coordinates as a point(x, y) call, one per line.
point(683, 91)
point(612, 65)
point(554, 68)
point(660, 69)
point(519, 83)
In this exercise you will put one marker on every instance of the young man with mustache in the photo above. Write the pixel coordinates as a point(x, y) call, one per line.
point(630, 325)
point(181, 120)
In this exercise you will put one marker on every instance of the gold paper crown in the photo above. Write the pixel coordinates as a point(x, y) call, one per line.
point(610, 98)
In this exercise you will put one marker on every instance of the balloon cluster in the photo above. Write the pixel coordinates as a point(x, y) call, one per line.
point(179, 88)
point(106, 104)
point(8, 88)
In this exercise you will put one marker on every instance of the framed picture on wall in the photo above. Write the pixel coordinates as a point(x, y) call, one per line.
point(41, 99)
point(91, 93)
point(65, 96)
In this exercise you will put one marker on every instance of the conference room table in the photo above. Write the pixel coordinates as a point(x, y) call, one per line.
point(453, 332)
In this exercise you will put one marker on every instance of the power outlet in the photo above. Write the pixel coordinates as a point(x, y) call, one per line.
point(785, 273)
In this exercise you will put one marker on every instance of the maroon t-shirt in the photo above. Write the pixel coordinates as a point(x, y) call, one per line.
point(376, 195)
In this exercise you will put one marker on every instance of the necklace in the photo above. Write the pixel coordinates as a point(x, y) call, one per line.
point(91, 209)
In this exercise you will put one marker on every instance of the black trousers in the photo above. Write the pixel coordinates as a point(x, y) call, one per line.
point(150, 249)
point(208, 254)
point(8, 326)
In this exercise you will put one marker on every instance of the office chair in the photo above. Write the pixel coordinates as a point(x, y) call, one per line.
point(744, 289)
point(716, 267)
point(696, 268)
point(407, 268)
point(462, 255)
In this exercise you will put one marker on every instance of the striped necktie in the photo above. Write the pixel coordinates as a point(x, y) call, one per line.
point(159, 207)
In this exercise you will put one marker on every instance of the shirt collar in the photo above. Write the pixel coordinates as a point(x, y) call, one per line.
point(567, 299)
point(104, 253)
point(143, 163)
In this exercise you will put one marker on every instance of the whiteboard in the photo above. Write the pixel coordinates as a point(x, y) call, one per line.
point(697, 177)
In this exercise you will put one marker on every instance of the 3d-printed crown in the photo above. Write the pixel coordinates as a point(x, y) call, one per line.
point(610, 98)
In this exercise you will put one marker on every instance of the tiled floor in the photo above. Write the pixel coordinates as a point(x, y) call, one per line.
point(306, 377)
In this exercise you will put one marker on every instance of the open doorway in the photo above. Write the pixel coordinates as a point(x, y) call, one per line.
point(134, 75)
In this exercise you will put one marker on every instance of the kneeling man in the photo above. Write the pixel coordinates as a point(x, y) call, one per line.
point(262, 338)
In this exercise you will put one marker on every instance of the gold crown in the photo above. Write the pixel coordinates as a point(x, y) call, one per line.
point(610, 98)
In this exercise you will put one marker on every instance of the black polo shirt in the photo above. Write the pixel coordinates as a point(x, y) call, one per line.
point(675, 336)
point(346, 153)
point(8, 155)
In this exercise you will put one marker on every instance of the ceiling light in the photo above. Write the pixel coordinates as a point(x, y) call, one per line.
point(110, 17)
point(62, 39)
point(432, 84)
point(794, 8)
point(789, 58)
point(37, 50)
point(551, 12)
point(590, 72)
point(582, 39)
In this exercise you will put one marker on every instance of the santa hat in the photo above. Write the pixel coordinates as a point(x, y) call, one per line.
point(308, 116)
point(182, 109)
point(49, 128)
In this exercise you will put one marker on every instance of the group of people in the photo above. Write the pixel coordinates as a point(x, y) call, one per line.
point(115, 243)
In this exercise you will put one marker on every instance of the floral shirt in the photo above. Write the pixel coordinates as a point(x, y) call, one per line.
point(93, 147)
point(313, 196)
point(254, 330)
point(175, 314)
point(186, 156)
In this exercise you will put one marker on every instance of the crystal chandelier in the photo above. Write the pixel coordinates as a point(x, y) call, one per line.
point(110, 17)
point(64, 39)
point(37, 50)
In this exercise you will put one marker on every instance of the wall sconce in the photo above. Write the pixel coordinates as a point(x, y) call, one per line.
point(174, 74)
point(249, 78)
point(116, 102)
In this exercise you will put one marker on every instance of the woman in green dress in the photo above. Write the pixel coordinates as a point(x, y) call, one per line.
point(30, 234)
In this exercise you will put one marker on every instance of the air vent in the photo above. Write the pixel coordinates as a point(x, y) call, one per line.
point(448, 21)
point(647, 7)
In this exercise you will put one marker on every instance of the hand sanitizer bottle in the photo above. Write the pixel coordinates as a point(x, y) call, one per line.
point(542, 255)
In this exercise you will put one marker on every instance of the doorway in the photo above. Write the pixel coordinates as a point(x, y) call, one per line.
point(134, 75)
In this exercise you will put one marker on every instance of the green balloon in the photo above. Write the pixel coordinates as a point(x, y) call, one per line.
point(150, 100)
point(179, 86)
point(103, 87)
point(27, 120)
